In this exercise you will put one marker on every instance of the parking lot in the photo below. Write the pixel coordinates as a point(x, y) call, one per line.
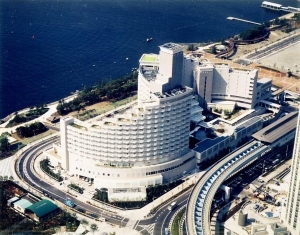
point(285, 59)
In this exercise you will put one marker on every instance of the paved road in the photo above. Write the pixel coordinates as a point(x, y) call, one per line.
point(154, 225)
point(274, 47)
point(24, 167)
point(157, 224)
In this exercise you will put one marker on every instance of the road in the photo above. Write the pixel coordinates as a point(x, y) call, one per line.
point(273, 48)
point(157, 224)
point(154, 225)
point(24, 167)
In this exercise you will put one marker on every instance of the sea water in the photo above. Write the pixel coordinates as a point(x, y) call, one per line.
point(50, 48)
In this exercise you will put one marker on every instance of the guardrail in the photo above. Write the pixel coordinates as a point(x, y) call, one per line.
point(199, 203)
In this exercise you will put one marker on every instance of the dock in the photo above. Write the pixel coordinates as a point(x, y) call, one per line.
point(238, 19)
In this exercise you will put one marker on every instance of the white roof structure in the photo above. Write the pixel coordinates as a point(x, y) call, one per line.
point(271, 4)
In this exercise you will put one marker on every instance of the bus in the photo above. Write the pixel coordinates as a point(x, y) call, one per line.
point(171, 206)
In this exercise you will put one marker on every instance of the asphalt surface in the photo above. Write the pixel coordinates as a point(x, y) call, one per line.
point(154, 225)
point(157, 224)
point(24, 167)
point(275, 47)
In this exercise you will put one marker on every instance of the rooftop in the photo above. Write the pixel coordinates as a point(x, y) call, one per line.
point(149, 73)
point(149, 58)
point(208, 143)
point(174, 92)
point(172, 46)
point(23, 203)
point(42, 207)
point(271, 4)
point(247, 123)
point(277, 129)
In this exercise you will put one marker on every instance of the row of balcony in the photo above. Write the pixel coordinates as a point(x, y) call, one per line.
point(162, 134)
point(152, 141)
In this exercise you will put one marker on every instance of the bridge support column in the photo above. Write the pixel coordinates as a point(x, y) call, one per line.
point(227, 192)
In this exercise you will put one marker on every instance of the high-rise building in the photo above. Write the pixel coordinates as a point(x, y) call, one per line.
point(219, 85)
point(144, 144)
point(292, 215)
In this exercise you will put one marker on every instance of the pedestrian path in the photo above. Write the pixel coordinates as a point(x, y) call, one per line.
point(5, 166)
point(149, 228)
point(130, 223)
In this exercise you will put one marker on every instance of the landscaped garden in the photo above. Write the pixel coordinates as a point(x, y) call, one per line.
point(45, 168)
point(75, 187)
point(28, 116)
point(176, 222)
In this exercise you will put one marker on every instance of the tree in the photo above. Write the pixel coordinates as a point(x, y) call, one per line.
point(5, 134)
point(276, 21)
point(4, 144)
point(214, 50)
point(94, 227)
point(84, 223)
point(223, 41)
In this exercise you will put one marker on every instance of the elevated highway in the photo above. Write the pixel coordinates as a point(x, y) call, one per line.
point(200, 200)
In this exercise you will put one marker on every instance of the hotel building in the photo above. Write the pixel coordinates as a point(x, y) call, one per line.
point(220, 86)
point(141, 145)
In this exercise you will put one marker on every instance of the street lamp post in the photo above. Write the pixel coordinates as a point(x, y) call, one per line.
point(263, 168)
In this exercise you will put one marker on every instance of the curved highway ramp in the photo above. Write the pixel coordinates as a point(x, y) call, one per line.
point(200, 200)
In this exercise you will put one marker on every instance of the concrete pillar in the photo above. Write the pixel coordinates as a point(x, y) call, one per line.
point(64, 122)
point(227, 192)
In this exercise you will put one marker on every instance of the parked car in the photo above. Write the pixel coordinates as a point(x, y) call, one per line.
point(69, 203)
point(256, 207)
point(81, 210)
point(93, 215)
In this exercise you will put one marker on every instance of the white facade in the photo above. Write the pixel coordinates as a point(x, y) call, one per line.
point(144, 145)
point(292, 215)
point(214, 83)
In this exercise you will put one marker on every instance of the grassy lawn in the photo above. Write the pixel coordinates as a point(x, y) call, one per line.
point(26, 117)
point(26, 141)
point(100, 108)
point(176, 221)
point(149, 58)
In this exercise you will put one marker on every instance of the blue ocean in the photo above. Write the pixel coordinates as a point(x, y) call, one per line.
point(50, 48)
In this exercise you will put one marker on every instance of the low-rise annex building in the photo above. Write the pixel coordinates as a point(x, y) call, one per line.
point(42, 210)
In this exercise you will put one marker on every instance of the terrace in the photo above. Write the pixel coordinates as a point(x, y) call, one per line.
point(79, 126)
point(149, 72)
point(172, 93)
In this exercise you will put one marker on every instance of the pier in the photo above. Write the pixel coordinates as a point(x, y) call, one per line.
point(238, 19)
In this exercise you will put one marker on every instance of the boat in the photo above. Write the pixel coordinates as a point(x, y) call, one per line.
point(149, 39)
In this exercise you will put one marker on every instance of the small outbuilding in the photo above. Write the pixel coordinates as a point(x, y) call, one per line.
point(12, 200)
point(42, 210)
point(21, 205)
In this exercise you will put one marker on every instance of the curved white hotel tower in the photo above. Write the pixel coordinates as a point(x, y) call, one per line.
point(146, 143)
